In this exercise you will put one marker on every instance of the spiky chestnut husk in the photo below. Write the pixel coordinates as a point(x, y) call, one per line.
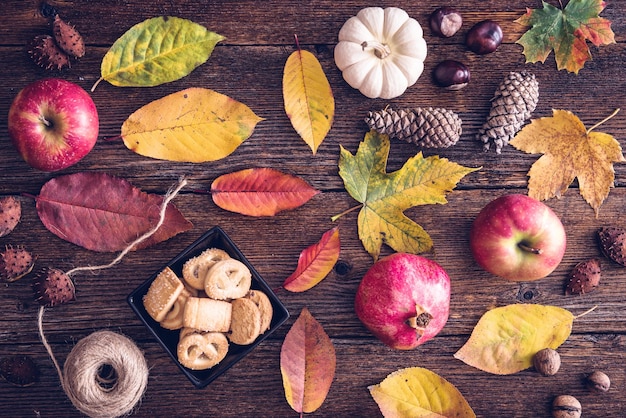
point(585, 277)
point(613, 244)
point(15, 263)
point(19, 370)
point(10, 214)
point(67, 38)
point(46, 53)
point(53, 287)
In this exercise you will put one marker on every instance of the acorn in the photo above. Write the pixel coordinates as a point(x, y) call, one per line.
point(68, 38)
point(584, 278)
point(53, 287)
point(10, 214)
point(15, 263)
point(613, 244)
point(46, 53)
point(19, 370)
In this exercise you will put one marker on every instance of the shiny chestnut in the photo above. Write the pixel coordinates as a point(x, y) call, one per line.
point(451, 74)
point(484, 37)
point(445, 22)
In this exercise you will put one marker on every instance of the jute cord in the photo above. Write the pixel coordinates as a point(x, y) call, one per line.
point(106, 374)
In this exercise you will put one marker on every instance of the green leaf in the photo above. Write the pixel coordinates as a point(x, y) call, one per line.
point(566, 32)
point(385, 196)
point(157, 51)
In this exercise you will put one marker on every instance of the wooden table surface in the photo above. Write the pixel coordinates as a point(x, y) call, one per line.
point(248, 66)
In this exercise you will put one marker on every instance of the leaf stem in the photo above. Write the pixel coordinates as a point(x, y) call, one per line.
point(586, 312)
point(345, 212)
point(603, 120)
point(93, 88)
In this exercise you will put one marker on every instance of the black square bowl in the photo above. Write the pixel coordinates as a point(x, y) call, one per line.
point(214, 238)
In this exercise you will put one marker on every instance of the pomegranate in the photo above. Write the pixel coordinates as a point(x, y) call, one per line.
point(404, 300)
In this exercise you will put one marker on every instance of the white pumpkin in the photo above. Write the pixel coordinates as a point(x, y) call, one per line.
point(381, 52)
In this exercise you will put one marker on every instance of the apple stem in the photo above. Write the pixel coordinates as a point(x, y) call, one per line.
point(46, 121)
point(530, 249)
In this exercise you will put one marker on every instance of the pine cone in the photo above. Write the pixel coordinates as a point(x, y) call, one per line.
point(428, 128)
point(511, 106)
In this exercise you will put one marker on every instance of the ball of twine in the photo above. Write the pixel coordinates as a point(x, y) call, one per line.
point(105, 375)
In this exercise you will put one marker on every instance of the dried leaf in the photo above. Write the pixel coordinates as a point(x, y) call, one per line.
point(570, 150)
point(308, 97)
point(566, 32)
point(315, 262)
point(193, 125)
point(307, 364)
point(419, 393)
point(260, 192)
point(505, 339)
point(104, 213)
point(385, 196)
point(157, 51)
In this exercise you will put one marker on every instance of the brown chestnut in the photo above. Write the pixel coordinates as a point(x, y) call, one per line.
point(445, 22)
point(452, 75)
point(484, 37)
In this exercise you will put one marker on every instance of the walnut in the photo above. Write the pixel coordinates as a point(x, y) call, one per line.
point(566, 406)
point(547, 361)
point(598, 381)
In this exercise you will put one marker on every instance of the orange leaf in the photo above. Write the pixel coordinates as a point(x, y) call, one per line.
point(260, 192)
point(307, 364)
point(315, 262)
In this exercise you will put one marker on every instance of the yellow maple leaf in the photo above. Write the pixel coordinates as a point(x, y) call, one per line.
point(569, 151)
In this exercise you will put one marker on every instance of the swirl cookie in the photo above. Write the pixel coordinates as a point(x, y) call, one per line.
point(206, 314)
point(227, 279)
point(196, 268)
point(162, 294)
point(200, 351)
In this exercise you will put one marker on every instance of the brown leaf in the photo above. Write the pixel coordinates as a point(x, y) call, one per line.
point(584, 278)
point(307, 364)
point(104, 213)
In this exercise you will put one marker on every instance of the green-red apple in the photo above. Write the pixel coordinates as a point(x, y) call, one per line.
point(404, 300)
point(53, 123)
point(517, 238)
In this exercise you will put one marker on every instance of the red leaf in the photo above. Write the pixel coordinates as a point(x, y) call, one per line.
point(315, 262)
point(307, 364)
point(104, 213)
point(260, 192)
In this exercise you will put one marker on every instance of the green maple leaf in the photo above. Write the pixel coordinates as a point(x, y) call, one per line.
point(385, 196)
point(566, 32)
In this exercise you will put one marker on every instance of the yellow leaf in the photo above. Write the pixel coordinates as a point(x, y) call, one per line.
point(308, 97)
point(416, 392)
point(505, 339)
point(193, 125)
point(570, 151)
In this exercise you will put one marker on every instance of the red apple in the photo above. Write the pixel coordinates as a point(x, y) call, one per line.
point(517, 238)
point(53, 124)
point(404, 300)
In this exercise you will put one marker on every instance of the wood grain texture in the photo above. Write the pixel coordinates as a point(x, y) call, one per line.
point(248, 66)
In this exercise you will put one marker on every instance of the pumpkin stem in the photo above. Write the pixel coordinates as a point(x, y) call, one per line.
point(381, 50)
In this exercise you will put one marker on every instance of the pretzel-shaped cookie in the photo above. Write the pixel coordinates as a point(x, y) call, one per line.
point(162, 294)
point(174, 318)
point(196, 268)
point(199, 351)
point(228, 279)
